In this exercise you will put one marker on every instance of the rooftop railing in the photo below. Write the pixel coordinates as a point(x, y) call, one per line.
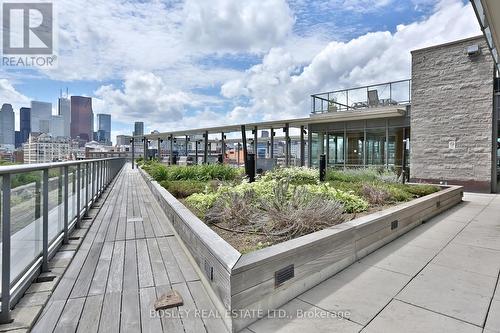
point(378, 95)
point(40, 204)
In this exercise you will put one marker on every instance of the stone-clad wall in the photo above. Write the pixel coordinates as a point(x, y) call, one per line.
point(452, 100)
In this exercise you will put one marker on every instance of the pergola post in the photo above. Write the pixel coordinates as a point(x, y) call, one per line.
point(302, 147)
point(255, 144)
point(196, 151)
point(287, 145)
point(171, 138)
point(223, 148)
point(272, 143)
point(309, 147)
point(186, 144)
point(159, 149)
point(205, 155)
point(132, 141)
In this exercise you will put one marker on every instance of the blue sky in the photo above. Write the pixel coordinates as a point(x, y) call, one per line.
point(186, 64)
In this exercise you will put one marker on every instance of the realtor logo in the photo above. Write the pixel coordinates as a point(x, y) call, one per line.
point(28, 34)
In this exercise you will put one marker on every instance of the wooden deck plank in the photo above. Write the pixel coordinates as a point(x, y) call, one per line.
point(159, 271)
point(145, 272)
point(110, 314)
point(173, 270)
point(91, 314)
point(182, 260)
point(149, 323)
point(129, 257)
point(212, 320)
point(115, 278)
point(70, 316)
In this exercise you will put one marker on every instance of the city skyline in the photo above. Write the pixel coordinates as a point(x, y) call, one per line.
point(238, 75)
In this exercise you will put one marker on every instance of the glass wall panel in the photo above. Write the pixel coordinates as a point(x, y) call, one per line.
point(375, 147)
point(355, 148)
point(336, 149)
point(314, 149)
point(395, 148)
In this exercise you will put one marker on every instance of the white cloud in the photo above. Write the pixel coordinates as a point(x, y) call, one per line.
point(276, 91)
point(225, 25)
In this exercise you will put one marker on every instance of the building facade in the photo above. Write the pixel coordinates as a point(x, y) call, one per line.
point(123, 140)
point(7, 129)
point(452, 123)
point(104, 129)
point(82, 119)
point(40, 117)
point(138, 128)
point(25, 123)
point(64, 111)
point(44, 148)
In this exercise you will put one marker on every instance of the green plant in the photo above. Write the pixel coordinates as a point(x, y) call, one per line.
point(294, 175)
point(352, 203)
point(353, 175)
point(183, 188)
point(202, 201)
point(421, 190)
point(375, 195)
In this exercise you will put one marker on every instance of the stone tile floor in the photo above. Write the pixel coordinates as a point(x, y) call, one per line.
point(440, 277)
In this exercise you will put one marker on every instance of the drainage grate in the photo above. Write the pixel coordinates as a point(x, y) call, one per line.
point(283, 275)
point(209, 270)
point(73, 238)
point(394, 224)
point(42, 279)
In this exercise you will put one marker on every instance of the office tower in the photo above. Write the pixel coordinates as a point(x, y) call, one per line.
point(7, 132)
point(82, 118)
point(25, 123)
point(123, 140)
point(138, 128)
point(40, 116)
point(64, 110)
point(57, 126)
point(104, 128)
point(18, 139)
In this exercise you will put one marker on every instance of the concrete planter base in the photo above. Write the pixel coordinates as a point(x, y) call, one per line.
point(266, 279)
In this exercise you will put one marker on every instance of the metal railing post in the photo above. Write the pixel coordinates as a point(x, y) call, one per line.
point(5, 314)
point(45, 221)
point(66, 207)
point(78, 195)
point(87, 178)
point(93, 180)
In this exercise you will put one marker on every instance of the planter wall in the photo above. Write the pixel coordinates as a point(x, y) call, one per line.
point(268, 278)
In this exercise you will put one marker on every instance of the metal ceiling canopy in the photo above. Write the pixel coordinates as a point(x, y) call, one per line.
point(488, 15)
point(383, 112)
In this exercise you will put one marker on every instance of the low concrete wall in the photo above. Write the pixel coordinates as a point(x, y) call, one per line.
point(249, 281)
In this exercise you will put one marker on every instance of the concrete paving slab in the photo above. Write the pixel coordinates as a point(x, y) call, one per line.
point(493, 320)
point(360, 289)
point(470, 258)
point(402, 317)
point(453, 292)
point(294, 321)
point(486, 236)
point(401, 258)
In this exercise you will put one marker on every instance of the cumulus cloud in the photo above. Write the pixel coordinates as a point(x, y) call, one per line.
point(225, 25)
point(277, 91)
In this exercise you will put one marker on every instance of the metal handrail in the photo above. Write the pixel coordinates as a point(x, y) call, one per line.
point(99, 173)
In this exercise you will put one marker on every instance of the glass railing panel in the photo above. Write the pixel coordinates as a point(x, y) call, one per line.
point(26, 221)
point(56, 203)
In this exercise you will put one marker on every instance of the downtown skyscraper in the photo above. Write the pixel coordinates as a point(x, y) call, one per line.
point(82, 118)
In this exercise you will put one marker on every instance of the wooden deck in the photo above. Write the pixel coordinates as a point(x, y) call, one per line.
point(127, 260)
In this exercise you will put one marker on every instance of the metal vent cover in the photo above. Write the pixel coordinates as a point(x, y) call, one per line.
point(283, 275)
point(209, 270)
point(394, 224)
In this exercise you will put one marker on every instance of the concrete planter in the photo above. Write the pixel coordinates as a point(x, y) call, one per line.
point(266, 279)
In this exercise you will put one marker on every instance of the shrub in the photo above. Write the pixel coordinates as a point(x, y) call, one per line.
point(233, 208)
point(421, 190)
point(294, 175)
point(375, 195)
point(299, 214)
point(205, 172)
point(183, 188)
point(398, 193)
point(353, 175)
point(352, 203)
point(202, 201)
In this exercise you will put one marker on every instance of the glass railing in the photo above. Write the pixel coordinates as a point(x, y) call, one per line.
point(39, 205)
point(373, 96)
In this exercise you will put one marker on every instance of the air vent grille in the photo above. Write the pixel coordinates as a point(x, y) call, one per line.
point(283, 275)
